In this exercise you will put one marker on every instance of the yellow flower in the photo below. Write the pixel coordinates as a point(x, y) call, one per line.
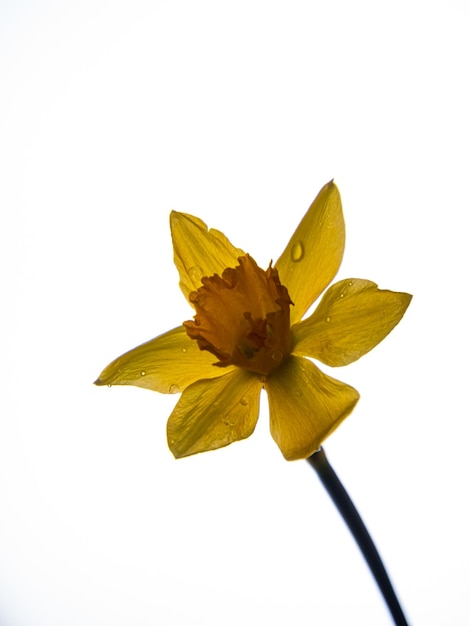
point(247, 335)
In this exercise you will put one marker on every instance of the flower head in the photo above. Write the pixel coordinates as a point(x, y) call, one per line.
point(248, 334)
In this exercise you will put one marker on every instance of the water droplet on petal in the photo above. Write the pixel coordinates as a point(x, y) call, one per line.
point(173, 388)
point(350, 283)
point(297, 251)
point(184, 350)
point(328, 319)
point(341, 295)
point(109, 385)
point(143, 372)
point(299, 393)
point(195, 273)
point(276, 356)
point(244, 401)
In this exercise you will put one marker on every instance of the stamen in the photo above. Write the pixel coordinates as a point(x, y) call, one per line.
point(243, 317)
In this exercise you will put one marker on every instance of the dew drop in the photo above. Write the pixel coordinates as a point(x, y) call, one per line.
point(243, 401)
point(297, 251)
point(109, 385)
point(350, 283)
point(328, 319)
point(299, 393)
point(276, 356)
point(143, 372)
point(173, 388)
point(184, 350)
point(341, 295)
point(195, 273)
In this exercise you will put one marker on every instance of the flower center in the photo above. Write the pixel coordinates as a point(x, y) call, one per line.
point(243, 317)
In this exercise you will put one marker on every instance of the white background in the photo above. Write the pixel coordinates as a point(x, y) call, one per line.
point(111, 115)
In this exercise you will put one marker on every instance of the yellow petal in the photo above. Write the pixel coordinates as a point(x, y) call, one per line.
point(198, 251)
point(353, 316)
point(314, 253)
point(305, 406)
point(213, 413)
point(168, 364)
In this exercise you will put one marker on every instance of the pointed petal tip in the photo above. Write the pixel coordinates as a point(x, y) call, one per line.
point(170, 444)
point(175, 219)
point(174, 451)
point(98, 382)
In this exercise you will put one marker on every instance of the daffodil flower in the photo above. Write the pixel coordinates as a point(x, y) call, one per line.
point(248, 334)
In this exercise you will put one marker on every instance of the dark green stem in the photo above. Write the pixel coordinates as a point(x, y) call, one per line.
point(349, 513)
